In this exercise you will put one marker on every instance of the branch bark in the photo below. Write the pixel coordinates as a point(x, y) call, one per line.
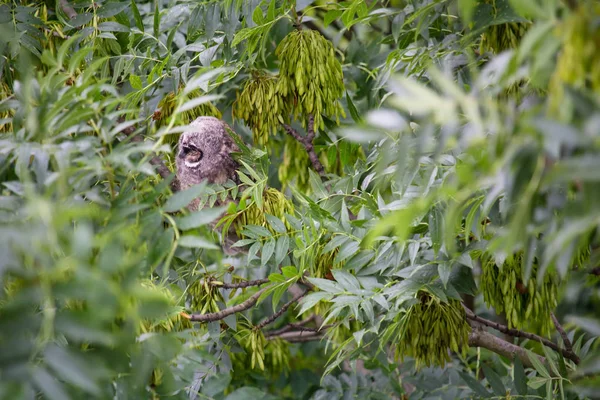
point(67, 9)
point(480, 338)
point(298, 336)
point(239, 285)
point(563, 334)
point(307, 142)
point(228, 311)
point(282, 310)
point(517, 333)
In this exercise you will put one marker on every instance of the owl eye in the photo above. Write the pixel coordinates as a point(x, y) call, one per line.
point(192, 155)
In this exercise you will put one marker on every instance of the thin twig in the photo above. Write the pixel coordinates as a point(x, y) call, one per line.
point(68, 10)
point(239, 285)
point(228, 311)
point(283, 309)
point(307, 142)
point(563, 333)
point(517, 333)
point(295, 337)
point(289, 327)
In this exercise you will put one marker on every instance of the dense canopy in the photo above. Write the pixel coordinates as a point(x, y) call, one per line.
point(415, 214)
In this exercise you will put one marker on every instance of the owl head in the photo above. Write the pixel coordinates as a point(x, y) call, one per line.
point(204, 153)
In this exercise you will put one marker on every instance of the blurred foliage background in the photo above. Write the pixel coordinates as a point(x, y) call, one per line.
point(417, 215)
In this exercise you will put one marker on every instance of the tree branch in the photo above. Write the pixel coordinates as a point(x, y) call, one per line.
point(297, 337)
point(563, 333)
point(228, 311)
point(294, 325)
point(480, 338)
point(282, 310)
point(307, 142)
point(239, 285)
point(517, 333)
point(67, 9)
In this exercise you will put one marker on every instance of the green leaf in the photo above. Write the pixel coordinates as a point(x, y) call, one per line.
point(248, 393)
point(136, 16)
point(201, 218)
point(135, 82)
point(276, 223)
point(112, 27)
point(494, 381)
point(520, 377)
point(281, 249)
point(474, 385)
point(196, 242)
point(528, 9)
point(267, 251)
point(352, 109)
point(183, 198)
point(327, 285)
point(309, 301)
point(71, 368)
point(537, 381)
point(156, 25)
point(81, 19)
point(289, 272)
point(466, 8)
point(346, 280)
point(48, 384)
point(537, 364)
point(277, 293)
point(444, 270)
point(331, 16)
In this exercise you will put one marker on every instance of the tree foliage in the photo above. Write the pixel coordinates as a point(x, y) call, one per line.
point(416, 216)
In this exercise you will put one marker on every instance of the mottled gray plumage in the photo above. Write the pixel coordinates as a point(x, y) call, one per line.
point(205, 154)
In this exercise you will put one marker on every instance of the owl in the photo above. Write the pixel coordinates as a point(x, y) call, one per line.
point(205, 154)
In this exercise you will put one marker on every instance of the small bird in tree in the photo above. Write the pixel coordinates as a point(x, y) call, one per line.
point(205, 154)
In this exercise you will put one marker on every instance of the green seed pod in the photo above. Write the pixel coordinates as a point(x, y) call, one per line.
point(310, 76)
point(524, 303)
point(579, 57)
point(274, 203)
point(260, 107)
point(166, 107)
point(430, 329)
